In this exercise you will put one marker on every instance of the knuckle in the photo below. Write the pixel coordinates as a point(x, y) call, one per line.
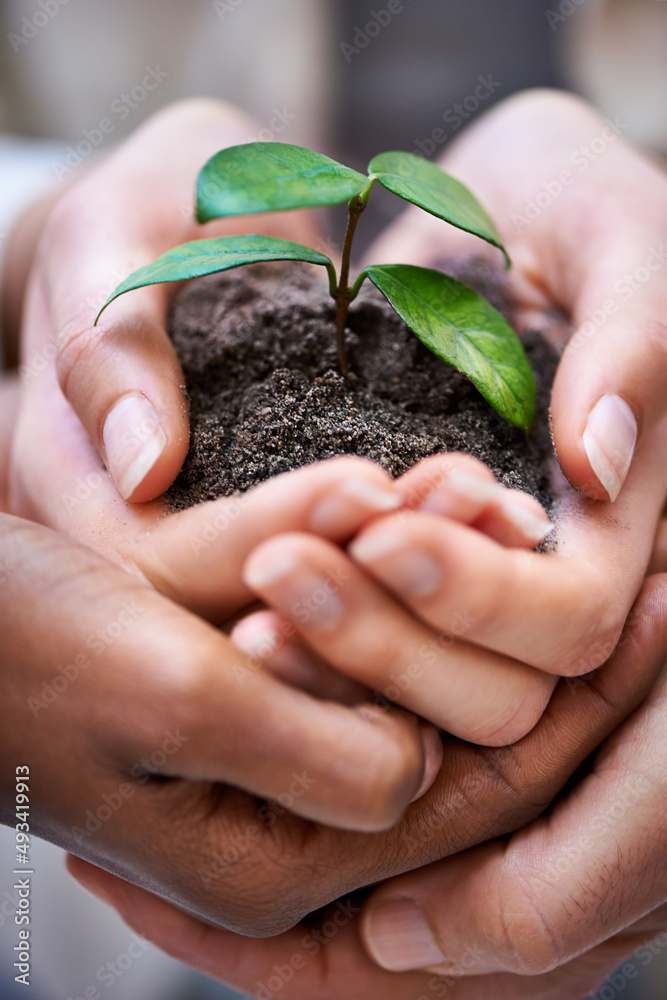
point(351, 464)
point(175, 690)
point(517, 715)
point(591, 632)
point(463, 462)
point(519, 933)
point(592, 646)
point(389, 778)
point(78, 342)
point(232, 867)
point(493, 606)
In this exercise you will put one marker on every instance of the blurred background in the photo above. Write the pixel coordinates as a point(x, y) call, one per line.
point(331, 74)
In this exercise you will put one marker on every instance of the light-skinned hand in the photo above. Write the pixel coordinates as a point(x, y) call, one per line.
point(122, 377)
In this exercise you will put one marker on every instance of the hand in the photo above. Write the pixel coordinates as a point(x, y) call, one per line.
point(463, 626)
point(437, 672)
point(121, 378)
point(582, 215)
point(195, 559)
point(428, 568)
point(159, 721)
point(570, 257)
point(58, 477)
point(478, 791)
point(561, 903)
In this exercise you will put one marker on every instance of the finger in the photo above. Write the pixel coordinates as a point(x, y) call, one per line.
point(255, 706)
point(135, 414)
point(601, 258)
point(327, 961)
point(463, 488)
point(619, 339)
point(158, 668)
point(122, 376)
point(273, 641)
point(603, 265)
point(484, 793)
point(559, 887)
point(196, 556)
point(433, 566)
point(299, 964)
point(227, 857)
point(58, 478)
point(598, 420)
point(473, 693)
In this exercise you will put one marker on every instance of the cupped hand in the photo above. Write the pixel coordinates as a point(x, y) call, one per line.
point(582, 214)
point(58, 475)
point(437, 575)
point(565, 899)
point(589, 269)
point(598, 851)
point(141, 723)
point(439, 672)
point(122, 377)
point(446, 610)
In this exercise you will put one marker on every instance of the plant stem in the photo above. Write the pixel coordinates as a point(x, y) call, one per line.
point(342, 296)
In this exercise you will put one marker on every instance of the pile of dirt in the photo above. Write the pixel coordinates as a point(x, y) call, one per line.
point(258, 349)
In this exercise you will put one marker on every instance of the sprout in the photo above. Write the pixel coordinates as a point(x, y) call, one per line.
point(459, 326)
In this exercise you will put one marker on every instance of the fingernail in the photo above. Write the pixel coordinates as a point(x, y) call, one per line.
point(433, 756)
point(133, 441)
point(266, 570)
point(296, 667)
point(398, 936)
point(282, 657)
point(340, 512)
point(408, 571)
point(609, 440)
point(296, 592)
point(533, 527)
point(445, 498)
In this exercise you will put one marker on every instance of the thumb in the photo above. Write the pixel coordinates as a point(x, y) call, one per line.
point(609, 393)
point(589, 869)
point(122, 376)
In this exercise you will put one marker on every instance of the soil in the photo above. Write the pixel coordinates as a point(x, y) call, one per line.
point(258, 349)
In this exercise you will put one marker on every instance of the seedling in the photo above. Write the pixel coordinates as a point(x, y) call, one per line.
point(455, 323)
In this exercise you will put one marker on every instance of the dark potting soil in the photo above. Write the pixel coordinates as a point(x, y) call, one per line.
point(258, 349)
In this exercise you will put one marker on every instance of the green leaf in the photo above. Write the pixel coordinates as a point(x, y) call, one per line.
point(270, 177)
point(465, 331)
point(424, 184)
point(199, 257)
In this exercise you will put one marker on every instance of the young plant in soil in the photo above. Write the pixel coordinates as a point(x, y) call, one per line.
point(459, 326)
